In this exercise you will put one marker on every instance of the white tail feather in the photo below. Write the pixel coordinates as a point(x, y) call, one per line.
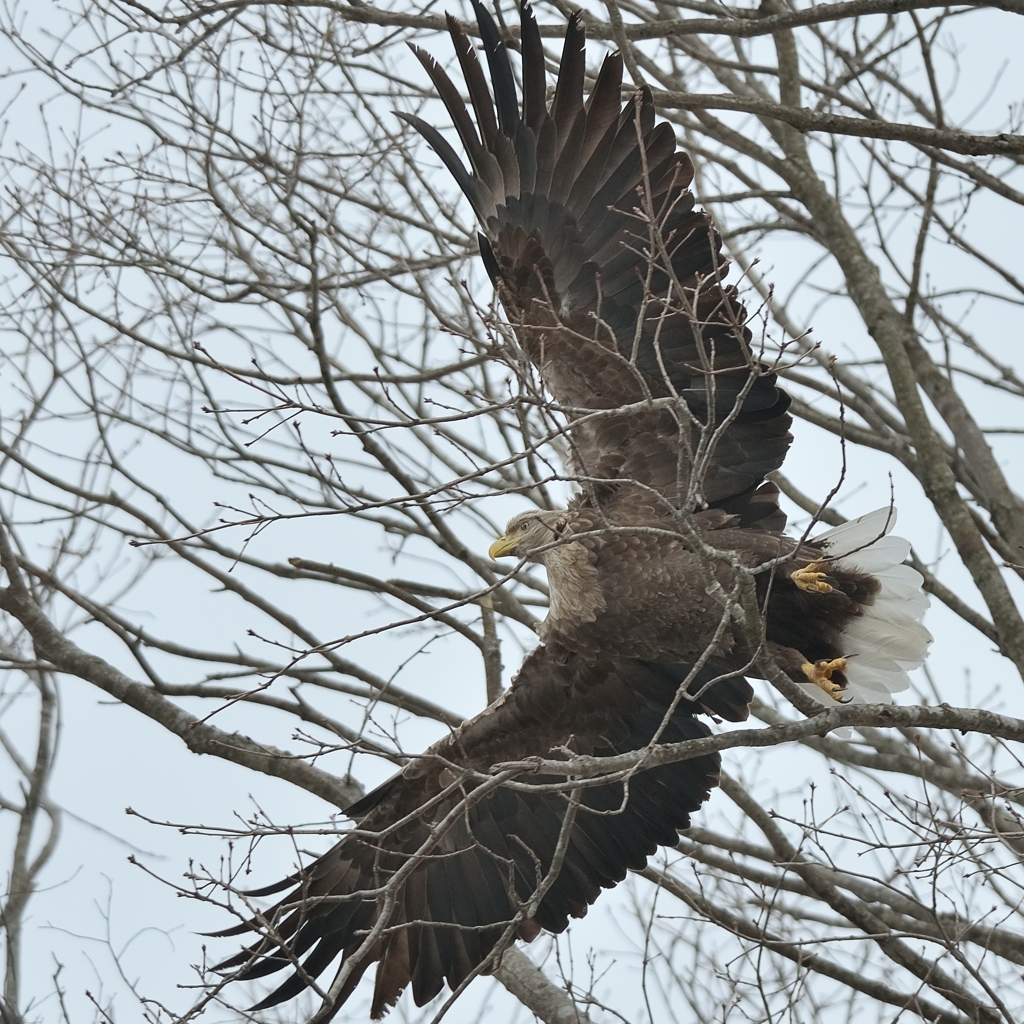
point(858, 533)
point(889, 638)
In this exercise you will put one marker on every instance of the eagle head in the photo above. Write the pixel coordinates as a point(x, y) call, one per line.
point(529, 533)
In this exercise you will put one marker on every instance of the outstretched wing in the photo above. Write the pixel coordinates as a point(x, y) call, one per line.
point(441, 866)
point(613, 281)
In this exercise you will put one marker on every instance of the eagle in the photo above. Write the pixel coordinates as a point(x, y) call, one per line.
point(614, 285)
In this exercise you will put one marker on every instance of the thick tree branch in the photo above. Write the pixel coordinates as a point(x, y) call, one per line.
point(974, 720)
point(65, 656)
point(532, 987)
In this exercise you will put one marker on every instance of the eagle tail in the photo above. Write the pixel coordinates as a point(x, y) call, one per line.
point(887, 640)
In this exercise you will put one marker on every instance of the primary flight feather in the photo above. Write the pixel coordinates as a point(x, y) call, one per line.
point(614, 285)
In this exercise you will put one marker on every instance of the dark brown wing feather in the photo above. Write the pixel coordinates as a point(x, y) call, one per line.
point(613, 280)
point(465, 889)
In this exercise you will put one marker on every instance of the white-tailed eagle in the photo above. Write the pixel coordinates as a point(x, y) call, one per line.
point(613, 284)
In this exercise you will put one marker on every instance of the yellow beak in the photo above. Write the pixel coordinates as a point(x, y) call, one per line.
point(503, 546)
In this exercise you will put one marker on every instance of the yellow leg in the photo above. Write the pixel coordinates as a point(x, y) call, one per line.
point(820, 673)
point(812, 579)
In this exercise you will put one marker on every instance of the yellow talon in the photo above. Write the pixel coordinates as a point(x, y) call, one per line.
point(812, 579)
point(820, 673)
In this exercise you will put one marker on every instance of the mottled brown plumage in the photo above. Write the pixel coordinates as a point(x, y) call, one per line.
point(614, 285)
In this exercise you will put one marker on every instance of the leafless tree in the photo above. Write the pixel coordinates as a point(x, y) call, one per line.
point(261, 417)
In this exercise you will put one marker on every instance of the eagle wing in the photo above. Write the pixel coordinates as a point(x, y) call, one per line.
point(442, 866)
point(613, 281)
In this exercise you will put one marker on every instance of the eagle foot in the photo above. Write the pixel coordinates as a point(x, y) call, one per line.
point(812, 579)
point(820, 673)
